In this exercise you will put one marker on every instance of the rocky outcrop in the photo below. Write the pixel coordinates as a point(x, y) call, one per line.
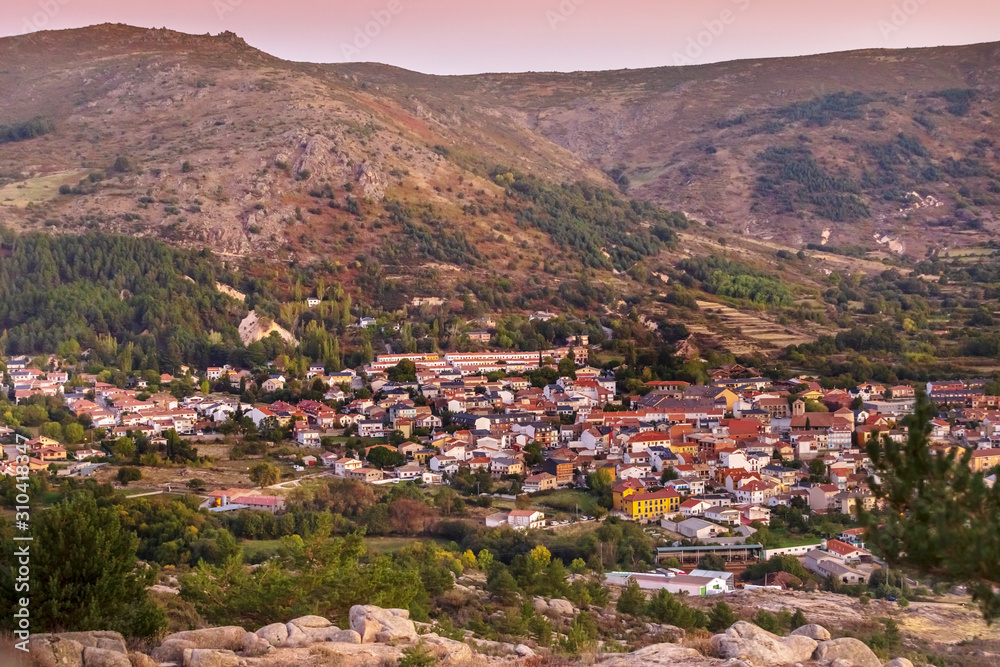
point(172, 648)
point(79, 649)
point(384, 636)
point(853, 651)
point(746, 641)
point(273, 634)
point(254, 328)
point(556, 607)
point(813, 631)
point(664, 655)
point(103, 657)
point(375, 624)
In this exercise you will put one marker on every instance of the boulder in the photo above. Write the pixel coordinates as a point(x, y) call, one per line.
point(446, 651)
point(172, 648)
point(524, 651)
point(540, 605)
point(111, 641)
point(899, 662)
point(375, 624)
point(254, 645)
point(746, 641)
point(310, 622)
point(206, 657)
point(54, 651)
point(561, 607)
point(813, 631)
point(852, 650)
point(273, 634)
point(329, 654)
point(344, 637)
point(142, 660)
point(102, 657)
point(672, 632)
point(298, 638)
point(663, 655)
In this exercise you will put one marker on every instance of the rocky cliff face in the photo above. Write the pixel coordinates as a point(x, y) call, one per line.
point(383, 637)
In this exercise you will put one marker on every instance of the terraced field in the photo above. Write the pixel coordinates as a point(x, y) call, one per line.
point(745, 333)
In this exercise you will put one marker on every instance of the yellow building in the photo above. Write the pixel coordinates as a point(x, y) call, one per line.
point(689, 447)
point(622, 491)
point(984, 459)
point(651, 506)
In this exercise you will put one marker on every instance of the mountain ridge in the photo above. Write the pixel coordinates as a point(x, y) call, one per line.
point(809, 150)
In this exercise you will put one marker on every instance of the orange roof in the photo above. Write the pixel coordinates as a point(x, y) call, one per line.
point(842, 548)
point(658, 495)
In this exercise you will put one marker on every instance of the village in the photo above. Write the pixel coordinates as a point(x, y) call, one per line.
point(701, 467)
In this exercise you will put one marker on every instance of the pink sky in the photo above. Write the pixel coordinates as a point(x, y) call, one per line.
point(468, 36)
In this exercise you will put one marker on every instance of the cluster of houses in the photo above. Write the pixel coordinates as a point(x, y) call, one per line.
point(723, 443)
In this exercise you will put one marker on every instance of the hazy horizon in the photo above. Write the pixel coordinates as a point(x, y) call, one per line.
point(450, 37)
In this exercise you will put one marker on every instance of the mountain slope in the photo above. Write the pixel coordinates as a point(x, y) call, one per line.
point(784, 148)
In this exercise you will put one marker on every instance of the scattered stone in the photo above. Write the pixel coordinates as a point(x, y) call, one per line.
point(524, 651)
point(852, 650)
point(813, 631)
point(746, 641)
point(899, 662)
point(375, 624)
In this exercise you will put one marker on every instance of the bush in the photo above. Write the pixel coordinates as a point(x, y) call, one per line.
point(417, 656)
point(23, 131)
point(765, 620)
point(632, 600)
point(721, 617)
point(129, 474)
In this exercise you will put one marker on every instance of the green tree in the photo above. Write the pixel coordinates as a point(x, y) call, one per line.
point(52, 430)
point(940, 517)
point(383, 457)
point(73, 433)
point(128, 474)
point(321, 575)
point(632, 601)
point(533, 454)
point(84, 573)
point(799, 619)
point(124, 448)
point(721, 617)
point(264, 474)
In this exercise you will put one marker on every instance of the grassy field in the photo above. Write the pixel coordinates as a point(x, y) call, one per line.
point(565, 501)
point(40, 189)
point(796, 541)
